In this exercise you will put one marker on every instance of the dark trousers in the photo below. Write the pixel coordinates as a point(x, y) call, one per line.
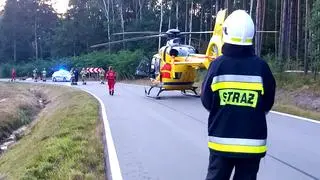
point(220, 168)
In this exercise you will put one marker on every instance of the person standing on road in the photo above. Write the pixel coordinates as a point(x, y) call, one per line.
point(83, 74)
point(44, 75)
point(73, 76)
point(13, 75)
point(102, 73)
point(111, 78)
point(238, 91)
point(35, 74)
point(76, 75)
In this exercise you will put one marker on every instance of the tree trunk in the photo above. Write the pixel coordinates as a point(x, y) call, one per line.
point(228, 5)
point(206, 25)
point(276, 29)
point(169, 23)
point(284, 33)
point(190, 22)
point(140, 10)
point(15, 50)
point(258, 27)
point(211, 15)
point(106, 9)
point(262, 24)
point(251, 7)
point(177, 14)
point(35, 37)
point(136, 10)
point(260, 18)
point(161, 20)
point(306, 39)
point(201, 18)
point(186, 23)
point(289, 33)
point(74, 49)
point(309, 42)
point(298, 30)
point(244, 5)
point(113, 12)
point(217, 6)
point(122, 22)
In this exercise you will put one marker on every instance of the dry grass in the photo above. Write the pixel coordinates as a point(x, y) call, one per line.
point(64, 141)
point(18, 106)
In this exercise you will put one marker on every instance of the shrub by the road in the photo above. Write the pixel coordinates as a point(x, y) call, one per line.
point(124, 62)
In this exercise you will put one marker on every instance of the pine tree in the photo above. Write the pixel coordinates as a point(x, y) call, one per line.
point(315, 36)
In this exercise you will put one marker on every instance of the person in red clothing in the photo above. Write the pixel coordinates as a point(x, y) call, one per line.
point(13, 74)
point(111, 78)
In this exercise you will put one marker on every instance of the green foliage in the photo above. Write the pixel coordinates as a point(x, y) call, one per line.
point(315, 36)
point(27, 23)
point(21, 22)
point(25, 69)
point(124, 62)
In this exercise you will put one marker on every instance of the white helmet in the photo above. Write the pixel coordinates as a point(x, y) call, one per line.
point(238, 28)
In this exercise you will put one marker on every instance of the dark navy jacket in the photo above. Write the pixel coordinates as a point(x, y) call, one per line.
point(238, 91)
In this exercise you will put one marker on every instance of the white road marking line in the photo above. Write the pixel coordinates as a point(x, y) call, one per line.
point(295, 117)
point(112, 154)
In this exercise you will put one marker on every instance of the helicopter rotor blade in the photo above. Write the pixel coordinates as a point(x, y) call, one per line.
point(127, 40)
point(141, 32)
point(267, 31)
point(200, 32)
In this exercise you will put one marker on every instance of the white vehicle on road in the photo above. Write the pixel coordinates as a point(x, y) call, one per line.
point(61, 75)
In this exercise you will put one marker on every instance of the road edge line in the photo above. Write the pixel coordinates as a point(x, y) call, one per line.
point(295, 117)
point(115, 171)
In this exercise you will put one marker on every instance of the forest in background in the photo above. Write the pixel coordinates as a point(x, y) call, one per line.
point(33, 34)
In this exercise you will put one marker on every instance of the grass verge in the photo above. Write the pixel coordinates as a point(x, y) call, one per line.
point(294, 110)
point(64, 142)
point(298, 94)
point(18, 106)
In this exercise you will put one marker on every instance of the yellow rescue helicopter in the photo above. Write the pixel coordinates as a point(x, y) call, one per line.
point(175, 66)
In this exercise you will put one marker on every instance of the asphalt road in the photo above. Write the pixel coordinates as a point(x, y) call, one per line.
point(166, 139)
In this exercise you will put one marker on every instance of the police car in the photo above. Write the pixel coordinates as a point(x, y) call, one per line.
point(61, 75)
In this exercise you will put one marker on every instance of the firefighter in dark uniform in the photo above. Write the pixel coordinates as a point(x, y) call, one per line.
point(238, 91)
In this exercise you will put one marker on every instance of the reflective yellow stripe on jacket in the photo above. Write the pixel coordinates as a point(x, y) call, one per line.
point(237, 145)
point(238, 90)
point(237, 82)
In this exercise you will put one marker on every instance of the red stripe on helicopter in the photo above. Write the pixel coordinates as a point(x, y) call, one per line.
point(165, 71)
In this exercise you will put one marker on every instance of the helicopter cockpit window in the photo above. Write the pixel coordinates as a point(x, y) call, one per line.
point(155, 66)
point(184, 51)
point(143, 68)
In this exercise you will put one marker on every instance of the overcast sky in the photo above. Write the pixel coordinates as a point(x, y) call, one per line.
point(60, 5)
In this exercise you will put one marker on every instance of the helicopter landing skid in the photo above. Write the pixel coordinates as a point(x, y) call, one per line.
point(195, 94)
point(147, 93)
